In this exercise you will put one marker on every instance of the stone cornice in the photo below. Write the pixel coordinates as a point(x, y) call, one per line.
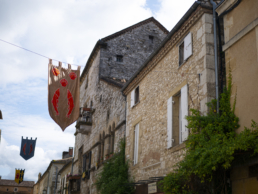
point(175, 38)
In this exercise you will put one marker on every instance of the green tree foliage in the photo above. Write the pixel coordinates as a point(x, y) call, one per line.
point(211, 148)
point(114, 177)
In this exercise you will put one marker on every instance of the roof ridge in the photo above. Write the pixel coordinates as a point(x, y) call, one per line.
point(151, 19)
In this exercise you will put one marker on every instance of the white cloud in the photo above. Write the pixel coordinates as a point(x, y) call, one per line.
point(66, 30)
point(171, 11)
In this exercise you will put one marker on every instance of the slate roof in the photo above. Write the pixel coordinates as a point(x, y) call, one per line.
point(6, 182)
point(102, 42)
point(195, 5)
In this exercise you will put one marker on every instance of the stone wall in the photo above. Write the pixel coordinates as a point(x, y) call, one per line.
point(162, 82)
point(101, 90)
point(135, 46)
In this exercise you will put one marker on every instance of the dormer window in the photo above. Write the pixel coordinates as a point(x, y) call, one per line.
point(151, 39)
point(119, 58)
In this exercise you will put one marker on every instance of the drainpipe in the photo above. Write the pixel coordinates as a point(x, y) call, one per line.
point(214, 5)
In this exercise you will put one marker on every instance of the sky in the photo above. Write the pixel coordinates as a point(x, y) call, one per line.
point(66, 30)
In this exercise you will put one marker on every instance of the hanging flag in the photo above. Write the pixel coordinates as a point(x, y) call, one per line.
point(27, 148)
point(19, 176)
point(63, 94)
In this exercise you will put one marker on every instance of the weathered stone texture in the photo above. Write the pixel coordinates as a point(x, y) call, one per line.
point(135, 46)
point(154, 158)
point(98, 89)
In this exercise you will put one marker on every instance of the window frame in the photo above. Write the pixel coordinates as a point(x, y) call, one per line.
point(182, 58)
point(119, 58)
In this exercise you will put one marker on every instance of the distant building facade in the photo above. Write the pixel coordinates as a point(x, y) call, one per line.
point(49, 182)
point(10, 187)
point(112, 62)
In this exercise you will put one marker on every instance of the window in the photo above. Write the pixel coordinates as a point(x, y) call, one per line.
point(119, 58)
point(86, 84)
point(87, 164)
point(7, 189)
point(15, 189)
point(100, 99)
point(135, 96)
point(151, 39)
point(80, 160)
point(103, 147)
point(91, 104)
point(185, 49)
point(177, 110)
point(136, 143)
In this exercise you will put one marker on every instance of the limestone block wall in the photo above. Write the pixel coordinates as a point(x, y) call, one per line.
point(109, 105)
point(135, 46)
point(154, 159)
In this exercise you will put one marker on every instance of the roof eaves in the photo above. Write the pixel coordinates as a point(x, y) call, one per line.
point(170, 34)
point(151, 19)
point(98, 43)
point(111, 82)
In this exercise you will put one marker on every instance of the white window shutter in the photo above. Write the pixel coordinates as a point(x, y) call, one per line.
point(169, 122)
point(184, 111)
point(136, 143)
point(188, 46)
point(132, 98)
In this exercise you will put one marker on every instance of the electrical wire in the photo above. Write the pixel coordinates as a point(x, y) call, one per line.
point(38, 53)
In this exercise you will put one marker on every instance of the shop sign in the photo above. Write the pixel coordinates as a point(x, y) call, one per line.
point(152, 188)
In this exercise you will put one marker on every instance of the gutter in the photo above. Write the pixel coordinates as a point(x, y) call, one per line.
point(170, 34)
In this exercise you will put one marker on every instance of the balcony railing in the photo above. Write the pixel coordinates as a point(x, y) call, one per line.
point(84, 123)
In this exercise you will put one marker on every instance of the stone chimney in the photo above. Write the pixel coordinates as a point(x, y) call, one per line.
point(71, 151)
point(39, 176)
point(0, 177)
point(68, 154)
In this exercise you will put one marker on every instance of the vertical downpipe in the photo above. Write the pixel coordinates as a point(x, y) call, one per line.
point(214, 5)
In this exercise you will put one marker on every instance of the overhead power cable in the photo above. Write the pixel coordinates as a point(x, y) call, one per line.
point(38, 53)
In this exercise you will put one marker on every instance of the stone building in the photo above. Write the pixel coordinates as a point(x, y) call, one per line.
point(48, 183)
point(241, 55)
point(179, 75)
point(63, 174)
point(112, 62)
point(10, 186)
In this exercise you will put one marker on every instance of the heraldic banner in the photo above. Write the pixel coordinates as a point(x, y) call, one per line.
point(63, 94)
point(27, 148)
point(19, 176)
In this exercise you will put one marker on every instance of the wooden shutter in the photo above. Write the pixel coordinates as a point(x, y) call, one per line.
point(188, 46)
point(169, 122)
point(84, 163)
point(89, 165)
point(184, 111)
point(136, 143)
point(132, 98)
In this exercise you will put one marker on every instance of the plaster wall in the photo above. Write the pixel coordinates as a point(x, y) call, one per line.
point(240, 17)
point(162, 82)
